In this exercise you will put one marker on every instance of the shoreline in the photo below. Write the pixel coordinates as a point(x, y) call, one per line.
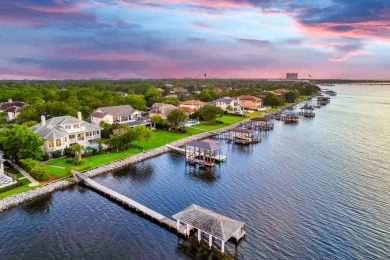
point(20, 198)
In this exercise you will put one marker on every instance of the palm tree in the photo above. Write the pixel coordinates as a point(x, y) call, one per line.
point(77, 148)
point(100, 146)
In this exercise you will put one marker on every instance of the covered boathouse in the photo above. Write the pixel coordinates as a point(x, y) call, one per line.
point(262, 123)
point(203, 152)
point(213, 224)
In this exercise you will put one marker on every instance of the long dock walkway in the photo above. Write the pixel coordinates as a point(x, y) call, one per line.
point(131, 203)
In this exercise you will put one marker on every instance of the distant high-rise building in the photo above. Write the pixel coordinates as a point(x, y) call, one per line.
point(291, 76)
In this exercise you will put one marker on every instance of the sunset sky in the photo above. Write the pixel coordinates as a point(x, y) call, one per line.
point(82, 39)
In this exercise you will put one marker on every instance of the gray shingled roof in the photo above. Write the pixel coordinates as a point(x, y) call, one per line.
point(116, 110)
point(210, 222)
point(226, 100)
point(53, 127)
point(206, 144)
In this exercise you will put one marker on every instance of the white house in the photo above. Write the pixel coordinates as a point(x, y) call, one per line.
point(226, 102)
point(11, 109)
point(116, 114)
point(62, 132)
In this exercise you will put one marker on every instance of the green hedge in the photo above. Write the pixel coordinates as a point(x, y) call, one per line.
point(11, 187)
point(33, 167)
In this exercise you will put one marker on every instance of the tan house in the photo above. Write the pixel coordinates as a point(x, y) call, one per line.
point(62, 132)
point(192, 104)
point(251, 102)
point(11, 109)
point(162, 110)
point(124, 114)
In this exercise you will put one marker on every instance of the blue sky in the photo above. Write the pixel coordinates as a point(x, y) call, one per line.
point(69, 39)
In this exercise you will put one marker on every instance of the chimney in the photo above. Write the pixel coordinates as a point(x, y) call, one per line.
point(79, 116)
point(10, 100)
point(43, 120)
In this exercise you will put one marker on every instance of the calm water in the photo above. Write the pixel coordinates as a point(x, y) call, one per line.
point(319, 189)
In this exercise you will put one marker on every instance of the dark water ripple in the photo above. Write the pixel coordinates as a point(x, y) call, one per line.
point(319, 189)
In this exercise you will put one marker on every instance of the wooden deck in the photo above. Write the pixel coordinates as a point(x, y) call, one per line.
point(170, 223)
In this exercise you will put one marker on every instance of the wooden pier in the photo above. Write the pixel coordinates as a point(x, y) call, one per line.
point(170, 223)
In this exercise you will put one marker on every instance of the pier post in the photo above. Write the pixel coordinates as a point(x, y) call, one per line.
point(210, 240)
point(199, 235)
point(223, 247)
point(188, 229)
point(178, 225)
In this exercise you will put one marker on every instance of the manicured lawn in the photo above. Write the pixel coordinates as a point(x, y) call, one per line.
point(159, 138)
point(93, 161)
point(20, 189)
point(301, 98)
point(57, 171)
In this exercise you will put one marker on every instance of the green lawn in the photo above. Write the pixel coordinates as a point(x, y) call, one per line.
point(20, 189)
point(159, 138)
point(301, 98)
point(57, 171)
point(93, 161)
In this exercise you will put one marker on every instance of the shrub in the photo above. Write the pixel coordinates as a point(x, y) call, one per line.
point(45, 157)
point(56, 154)
point(68, 152)
point(35, 169)
point(69, 161)
point(11, 187)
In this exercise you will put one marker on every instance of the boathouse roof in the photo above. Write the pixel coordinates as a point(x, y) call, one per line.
point(206, 144)
point(260, 118)
point(212, 223)
point(306, 107)
point(242, 130)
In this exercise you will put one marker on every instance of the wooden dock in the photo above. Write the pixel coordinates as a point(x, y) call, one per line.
point(170, 223)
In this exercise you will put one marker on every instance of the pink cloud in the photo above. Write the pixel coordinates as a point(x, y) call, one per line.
point(349, 54)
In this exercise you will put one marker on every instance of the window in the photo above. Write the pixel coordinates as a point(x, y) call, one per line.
point(50, 143)
point(67, 127)
point(65, 139)
point(76, 126)
point(88, 134)
point(72, 136)
point(58, 142)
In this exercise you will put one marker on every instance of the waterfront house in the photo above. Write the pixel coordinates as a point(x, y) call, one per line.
point(162, 110)
point(250, 102)
point(124, 114)
point(11, 109)
point(227, 102)
point(192, 104)
point(62, 132)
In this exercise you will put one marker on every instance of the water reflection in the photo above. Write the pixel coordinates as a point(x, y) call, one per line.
point(207, 175)
point(194, 249)
point(139, 172)
point(38, 206)
point(245, 149)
